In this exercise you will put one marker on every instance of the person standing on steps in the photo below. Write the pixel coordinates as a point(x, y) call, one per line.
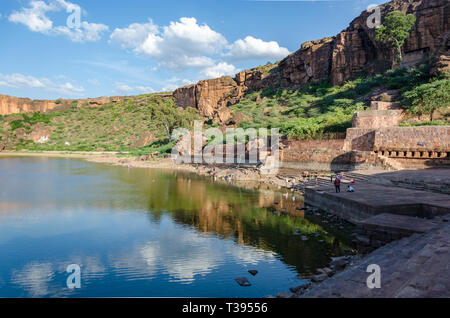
point(337, 185)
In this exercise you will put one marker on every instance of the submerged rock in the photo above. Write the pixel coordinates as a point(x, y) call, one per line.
point(242, 281)
point(253, 272)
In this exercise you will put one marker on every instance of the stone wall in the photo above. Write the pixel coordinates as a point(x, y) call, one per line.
point(434, 138)
point(325, 155)
point(376, 118)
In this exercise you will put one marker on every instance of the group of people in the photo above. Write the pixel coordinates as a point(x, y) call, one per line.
point(289, 181)
point(338, 178)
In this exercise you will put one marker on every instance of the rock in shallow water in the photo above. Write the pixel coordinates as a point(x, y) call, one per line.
point(253, 272)
point(242, 281)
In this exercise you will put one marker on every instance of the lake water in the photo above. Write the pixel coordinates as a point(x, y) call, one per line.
point(150, 233)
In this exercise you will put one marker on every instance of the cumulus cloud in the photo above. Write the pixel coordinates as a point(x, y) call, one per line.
point(122, 88)
point(20, 81)
point(174, 82)
point(125, 89)
point(181, 45)
point(145, 89)
point(219, 70)
point(35, 18)
point(252, 48)
point(134, 35)
point(186, 44)
point(17, 80)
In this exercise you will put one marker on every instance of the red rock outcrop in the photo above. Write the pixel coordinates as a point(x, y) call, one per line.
point(210, 97)
point(337, 58)
point(355, 49)
point(16, 105)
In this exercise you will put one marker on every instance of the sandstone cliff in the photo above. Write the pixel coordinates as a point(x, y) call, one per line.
point(337, 58)
point(16, 105)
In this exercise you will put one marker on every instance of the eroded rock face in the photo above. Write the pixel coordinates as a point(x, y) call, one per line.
point(337, 58)
point(355, 49)
point(210, 97)
point(16, 105)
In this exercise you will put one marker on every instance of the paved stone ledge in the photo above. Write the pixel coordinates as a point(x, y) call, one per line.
point(400, 223)
point(416, 266)
point(372, 199)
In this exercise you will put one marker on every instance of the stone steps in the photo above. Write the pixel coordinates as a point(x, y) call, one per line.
point(415, 266)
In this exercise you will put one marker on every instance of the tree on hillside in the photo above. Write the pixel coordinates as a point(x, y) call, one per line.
point(395, 30)
point(426, 98)
point(165, 114)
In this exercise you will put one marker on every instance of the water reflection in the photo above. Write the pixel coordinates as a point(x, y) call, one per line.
point(143, 232)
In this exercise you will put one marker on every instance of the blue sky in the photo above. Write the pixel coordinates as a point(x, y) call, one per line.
point(139, 46)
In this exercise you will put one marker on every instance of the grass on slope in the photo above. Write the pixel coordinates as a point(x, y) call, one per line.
point(319, 110)
point(122, 126)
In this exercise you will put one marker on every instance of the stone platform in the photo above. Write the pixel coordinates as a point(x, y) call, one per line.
point(372, 199)
point(415, 266)
point(399, 223)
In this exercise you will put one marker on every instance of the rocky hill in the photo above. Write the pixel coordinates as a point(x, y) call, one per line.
point(337, 59)
point(17, 105)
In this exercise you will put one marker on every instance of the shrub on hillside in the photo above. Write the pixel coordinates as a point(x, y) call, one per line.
point(426, 98)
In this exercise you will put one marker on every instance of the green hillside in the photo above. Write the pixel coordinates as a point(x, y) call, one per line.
point(322, 111)
point(142, 124)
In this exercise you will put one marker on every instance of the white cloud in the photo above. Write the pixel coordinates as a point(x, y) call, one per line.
point(252, 48)
point(145, 89)
point(134, 35)
point(68, 88)
point(219, 70)
point(181, 45)
point(122, 88)
point(88, 32)
point(17, 80)
point(186, 44)
point(20, 81)
point(173, 83)
point(36, 19)
point(125, 89)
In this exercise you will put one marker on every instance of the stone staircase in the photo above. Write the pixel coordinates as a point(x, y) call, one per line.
point(415, 266)
point(325, 181)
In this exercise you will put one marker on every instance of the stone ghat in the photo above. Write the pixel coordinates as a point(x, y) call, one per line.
point(373, 199)
point(434, 139)
point(415, 266)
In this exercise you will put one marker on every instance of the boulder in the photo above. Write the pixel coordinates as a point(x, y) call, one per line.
point(339, 263)
point(319, 278)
